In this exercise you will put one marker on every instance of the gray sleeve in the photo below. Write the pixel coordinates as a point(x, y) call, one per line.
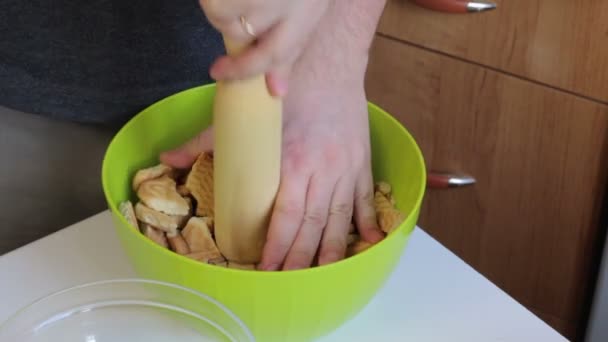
point(101, 61)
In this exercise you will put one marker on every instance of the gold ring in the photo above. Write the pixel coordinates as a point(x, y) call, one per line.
point(247, 26)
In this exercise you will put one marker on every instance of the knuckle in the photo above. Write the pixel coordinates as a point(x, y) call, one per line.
point(278, 247)
point(294, 149)
point(295, 162)
point(290, 208)
point(365, 199)
point(341, 209)
point(315, 218)
point(333, 152)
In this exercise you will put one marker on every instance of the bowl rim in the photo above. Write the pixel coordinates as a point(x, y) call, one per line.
point(145, 281)
point(116, 212)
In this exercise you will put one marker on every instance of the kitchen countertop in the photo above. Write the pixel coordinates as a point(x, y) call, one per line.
point(431, 296)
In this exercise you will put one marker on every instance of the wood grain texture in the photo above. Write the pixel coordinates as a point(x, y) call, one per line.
point(540, 160)
point(562, 43)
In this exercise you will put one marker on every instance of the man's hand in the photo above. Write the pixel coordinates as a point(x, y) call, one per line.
point(281, 29)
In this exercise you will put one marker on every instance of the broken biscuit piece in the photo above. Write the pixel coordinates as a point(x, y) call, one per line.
point(150, 173)
point(352, 228)
point(239, 266)
point(199, 237)
point(388, 217)
point(128, 212)
point(161, 195)
point(200, 184)
point(209, 221)
point(357, 247)
point(208, 258)
point(178, 243)
point(351, 238)
point(384, 188)
point(183, 190)
point(155, 235)
point(175, 210)
point(189, 201)
point(164, 222)
point(218, 262)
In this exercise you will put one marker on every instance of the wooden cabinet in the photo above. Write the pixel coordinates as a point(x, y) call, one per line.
point(539, 154)
point(561, 43)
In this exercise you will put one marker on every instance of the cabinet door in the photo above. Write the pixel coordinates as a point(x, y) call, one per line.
point(562, 43)
point(529, 224)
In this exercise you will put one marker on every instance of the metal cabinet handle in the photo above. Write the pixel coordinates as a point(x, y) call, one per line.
point(438, 180)
point(456, 6)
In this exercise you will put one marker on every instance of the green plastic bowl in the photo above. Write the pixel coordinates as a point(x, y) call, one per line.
point(277, 306)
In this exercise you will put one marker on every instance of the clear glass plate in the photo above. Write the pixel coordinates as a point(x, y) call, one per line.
point(125, 310)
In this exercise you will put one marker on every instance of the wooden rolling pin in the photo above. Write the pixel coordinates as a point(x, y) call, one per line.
point(247, 162)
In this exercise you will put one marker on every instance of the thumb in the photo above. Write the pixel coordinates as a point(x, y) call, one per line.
point(185, 155)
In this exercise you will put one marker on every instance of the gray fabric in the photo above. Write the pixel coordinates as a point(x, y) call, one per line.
point(95, 62)
point(50, 175)
point(101, 61)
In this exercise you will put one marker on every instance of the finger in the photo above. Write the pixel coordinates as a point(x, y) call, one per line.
point(238, 20)
point(333, 244)
point(277, 81)
point(304, 248)
point(260, 10)
point(280, 44)
point(365, 214)
point(226, 8)
point(185, 155)
point(285, 221)
point(241, 29)
point(255, 60)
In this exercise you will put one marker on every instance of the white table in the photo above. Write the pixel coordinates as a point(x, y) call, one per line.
point(431, 296)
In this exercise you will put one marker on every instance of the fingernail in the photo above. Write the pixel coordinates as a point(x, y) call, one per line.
point(166, 156)
point(177, 158)
point(329, 258)
point(280, 88)
point(170, 153)
point(377, 236)
point(277, 86)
